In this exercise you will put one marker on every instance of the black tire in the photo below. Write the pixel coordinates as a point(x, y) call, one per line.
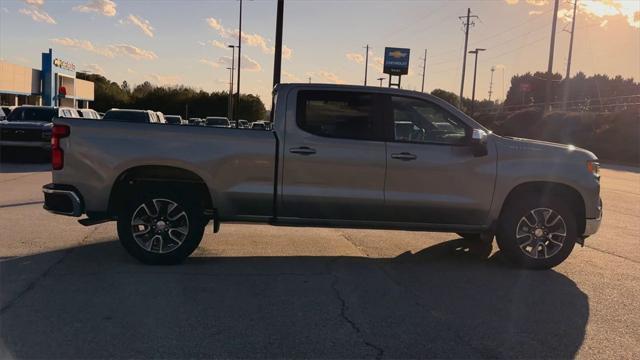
point(158, 197)
point(552, 253)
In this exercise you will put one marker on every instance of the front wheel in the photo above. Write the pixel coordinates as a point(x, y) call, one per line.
point(537, 233)
point(161, 227)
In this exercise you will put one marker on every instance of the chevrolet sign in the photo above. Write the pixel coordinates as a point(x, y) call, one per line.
point(396, 61)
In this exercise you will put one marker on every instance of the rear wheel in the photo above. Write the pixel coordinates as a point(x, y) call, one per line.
point(161, 226)
point(537, 233)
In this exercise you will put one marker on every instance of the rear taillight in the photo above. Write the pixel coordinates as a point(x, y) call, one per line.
point(57, 155)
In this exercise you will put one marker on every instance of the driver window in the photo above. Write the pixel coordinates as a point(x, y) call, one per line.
point(420, 121)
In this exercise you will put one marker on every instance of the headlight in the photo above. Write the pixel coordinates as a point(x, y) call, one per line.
point(593, 166)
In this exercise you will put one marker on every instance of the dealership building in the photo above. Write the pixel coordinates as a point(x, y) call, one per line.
point(54, 84)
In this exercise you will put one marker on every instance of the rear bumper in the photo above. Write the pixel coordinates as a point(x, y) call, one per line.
point(591, 226)
point(30, 144)
point(63, 200)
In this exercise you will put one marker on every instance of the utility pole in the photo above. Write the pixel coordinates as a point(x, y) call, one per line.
point(547, 101)
point(565, 95)
point(466, 22)
point(493, 69)
point(475, 71)
point(277, 56)
point(380, 79)
point(366, 63)
point(424, 68)
point(233, 66)
point(236, 108)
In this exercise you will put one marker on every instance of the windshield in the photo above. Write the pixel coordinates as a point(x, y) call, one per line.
point(32, 114)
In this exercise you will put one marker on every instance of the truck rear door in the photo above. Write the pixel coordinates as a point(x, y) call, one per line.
point(334, 157)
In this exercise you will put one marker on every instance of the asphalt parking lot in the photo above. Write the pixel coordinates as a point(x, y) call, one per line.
point(254, 291)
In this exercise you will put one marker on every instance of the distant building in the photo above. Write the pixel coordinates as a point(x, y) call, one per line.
point(55, 84)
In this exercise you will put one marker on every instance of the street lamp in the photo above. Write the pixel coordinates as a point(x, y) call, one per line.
point(233, 55)
point(236, 108)
point(230, 100)
point(475, 70)
point(380, 79)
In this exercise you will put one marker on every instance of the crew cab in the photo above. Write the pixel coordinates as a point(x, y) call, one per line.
point(337, 156)
point(30, 126)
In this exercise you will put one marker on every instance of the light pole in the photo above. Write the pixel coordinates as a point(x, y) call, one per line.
point(230, 101)
point(236, 108)
point(233, 60)
point(475, 71)
point(380, 79)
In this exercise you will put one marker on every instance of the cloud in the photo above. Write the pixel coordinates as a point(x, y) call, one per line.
point(218, 44)
point(511, 2)
point(5, 10)
point(37, 15)
point(142, 24)
point(213, 63)
point(326, 76)
point(104, 7)
point(134, 52)
point(36, 3)
point(247, 63)
point(378, 63)
point(165, 79)
point(535, 12)
point(214, 24)
point(248, 39)
point(110, 51)
point(131, 71)
point(538, 2)
point(355, 57)
point(289, 77)
point(93, 69)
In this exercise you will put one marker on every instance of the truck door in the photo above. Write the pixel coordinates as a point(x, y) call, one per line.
point(432, 175)
point(334, 157)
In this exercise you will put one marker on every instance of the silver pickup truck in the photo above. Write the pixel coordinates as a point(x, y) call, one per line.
point(337, 156)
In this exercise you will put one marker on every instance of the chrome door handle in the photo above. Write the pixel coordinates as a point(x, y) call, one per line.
point(404, 156)
point(302, 150)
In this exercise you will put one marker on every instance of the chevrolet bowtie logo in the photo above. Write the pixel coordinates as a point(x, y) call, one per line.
point(398, 54)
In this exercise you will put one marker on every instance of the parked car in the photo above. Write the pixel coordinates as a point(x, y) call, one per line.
point(30, 126)
point(160, 118)
point(174, 119)
point(2, 114)
point(217, 121)
point(7, 110)
point(131, 115)
point(332, 160)
point(195, 121)
point(88, 114)
point(232, 123)
point(260, 125)
point(244, 124)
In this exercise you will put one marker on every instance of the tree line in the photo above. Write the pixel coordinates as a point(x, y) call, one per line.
point(174, 100)
point(597, 92)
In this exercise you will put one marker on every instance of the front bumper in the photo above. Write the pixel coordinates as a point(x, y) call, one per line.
point(591, 226)
point(63, 200)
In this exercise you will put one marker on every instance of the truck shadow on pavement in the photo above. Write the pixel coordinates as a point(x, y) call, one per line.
point(451, 300)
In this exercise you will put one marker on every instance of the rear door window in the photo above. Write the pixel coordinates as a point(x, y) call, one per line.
point(339, 114)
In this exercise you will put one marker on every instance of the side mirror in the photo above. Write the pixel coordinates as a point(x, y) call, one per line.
point(479, 143)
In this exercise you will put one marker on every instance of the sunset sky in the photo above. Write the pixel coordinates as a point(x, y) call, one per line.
point(184, 42)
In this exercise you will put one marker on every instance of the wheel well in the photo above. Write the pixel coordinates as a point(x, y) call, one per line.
point(160, 175)
point(552, 190)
